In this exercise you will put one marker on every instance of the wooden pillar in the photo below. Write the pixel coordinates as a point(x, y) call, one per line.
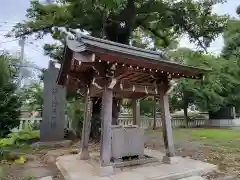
point(84, 155)
point(136, 112)
point(105, 154)
point(166, 124)
point(154, 113)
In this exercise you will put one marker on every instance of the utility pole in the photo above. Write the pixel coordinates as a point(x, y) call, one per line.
point(21, 44)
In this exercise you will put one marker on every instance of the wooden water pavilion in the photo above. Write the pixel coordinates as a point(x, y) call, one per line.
point(107, 69)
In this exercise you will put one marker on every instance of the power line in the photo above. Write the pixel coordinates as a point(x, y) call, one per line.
point(4, 30)
point(8, 22)
point(7, 25)
point(9, 41)
point(35, 49)
point(37, 46)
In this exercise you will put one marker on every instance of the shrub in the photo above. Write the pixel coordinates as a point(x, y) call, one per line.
point(10, 99)
point(25, 136)
point(20, 137)
point(6, 142)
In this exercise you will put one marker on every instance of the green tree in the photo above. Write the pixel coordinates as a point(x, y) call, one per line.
point(231, 52)
point(10, 101)
point(117, 20)
point(232, 39)
point(211, 93)
point(75, 111)
point(33, 95)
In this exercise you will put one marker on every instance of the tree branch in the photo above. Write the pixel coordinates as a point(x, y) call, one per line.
point(157, 34)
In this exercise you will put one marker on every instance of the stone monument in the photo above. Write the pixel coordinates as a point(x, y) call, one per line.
point(53, 122)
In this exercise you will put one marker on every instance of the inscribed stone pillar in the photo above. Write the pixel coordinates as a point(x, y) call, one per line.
point(54, 97)
point(105, 154)
point(136, 112)
point(166, 124)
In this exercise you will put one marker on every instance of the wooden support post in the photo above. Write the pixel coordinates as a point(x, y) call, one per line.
point(136, 112)
point(134, 103)
point(154, 113)
point(84, 155)
point(105, 154)
point(166, 124)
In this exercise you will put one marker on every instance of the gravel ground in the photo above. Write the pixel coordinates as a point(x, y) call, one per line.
point(228, 161)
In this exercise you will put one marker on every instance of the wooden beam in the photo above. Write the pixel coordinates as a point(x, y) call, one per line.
point(84, 57)
point(105, 154)
point(166, 66)
point(135, 88)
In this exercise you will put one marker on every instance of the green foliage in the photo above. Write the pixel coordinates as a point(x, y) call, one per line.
point(6, 142)
point(217, 88)
point(24, 136)
point(162, 21)
point(75, 110)
point(231, 52)
point(20, 137)
point(232, 40)
point(10, 101)
point(33, 96)
point(146, 107)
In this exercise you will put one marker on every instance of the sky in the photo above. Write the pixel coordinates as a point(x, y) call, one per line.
point(13, 11)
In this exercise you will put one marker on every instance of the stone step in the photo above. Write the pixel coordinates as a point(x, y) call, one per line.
point(193, 178)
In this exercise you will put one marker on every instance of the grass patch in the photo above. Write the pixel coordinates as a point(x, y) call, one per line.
point(216, 134)
point(226, 135)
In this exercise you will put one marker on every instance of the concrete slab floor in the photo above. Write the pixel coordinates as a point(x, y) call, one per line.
point(72, 168)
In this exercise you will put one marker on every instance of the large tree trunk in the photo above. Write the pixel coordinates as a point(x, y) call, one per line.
point(96, 119)
point(154, 114)
point(97, 102)
point(114, 31)
point(185, 111)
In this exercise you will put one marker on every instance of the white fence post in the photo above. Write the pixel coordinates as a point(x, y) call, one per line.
point(147, 122)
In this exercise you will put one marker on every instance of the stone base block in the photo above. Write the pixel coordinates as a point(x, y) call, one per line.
point(74, 169)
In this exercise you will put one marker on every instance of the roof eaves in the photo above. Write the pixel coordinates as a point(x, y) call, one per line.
point(76, 46)
point(83, 41)
point(90, 40)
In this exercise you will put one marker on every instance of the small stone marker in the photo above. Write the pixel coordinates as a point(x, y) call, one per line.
point(52, 125)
